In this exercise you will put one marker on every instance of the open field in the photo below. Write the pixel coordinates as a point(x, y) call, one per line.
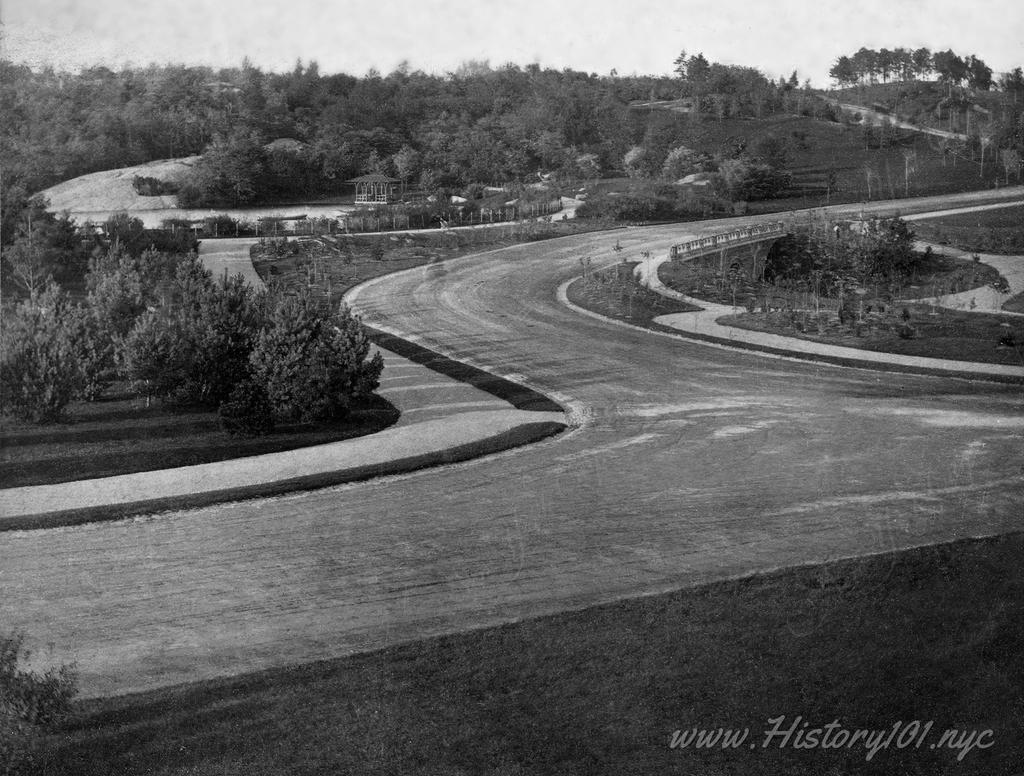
point(933, 635)
point(122, 435)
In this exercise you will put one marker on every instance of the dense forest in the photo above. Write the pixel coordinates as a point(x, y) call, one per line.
point(478, 124)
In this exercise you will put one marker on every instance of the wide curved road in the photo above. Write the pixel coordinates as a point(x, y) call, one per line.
point(687, 463)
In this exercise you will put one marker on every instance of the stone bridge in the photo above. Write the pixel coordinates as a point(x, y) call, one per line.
point(758, 238)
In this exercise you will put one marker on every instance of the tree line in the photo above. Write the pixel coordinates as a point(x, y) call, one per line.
point(476, 124)
point(871, 66)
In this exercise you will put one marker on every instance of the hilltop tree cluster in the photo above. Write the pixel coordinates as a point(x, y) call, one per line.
point(871, 66)
point(727, 91)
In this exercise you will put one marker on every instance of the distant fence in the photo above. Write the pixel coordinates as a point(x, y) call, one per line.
point(397, 218)
point(724, 239)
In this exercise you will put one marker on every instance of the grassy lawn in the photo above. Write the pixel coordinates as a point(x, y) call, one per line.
point(122, 435)
point(934, 635)
point(1000, 230)
point(613, 292)
point(1015, 304)
point(951, 334)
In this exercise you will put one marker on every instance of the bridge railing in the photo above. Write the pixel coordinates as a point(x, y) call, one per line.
point(701, 244)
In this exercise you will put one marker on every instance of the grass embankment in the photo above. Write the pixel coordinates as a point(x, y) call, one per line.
point(862, 167)
point(948, 334)
point(925, 103)
point(122, 435)
point(933, 634)
point(614, 292)
point(1000, 230)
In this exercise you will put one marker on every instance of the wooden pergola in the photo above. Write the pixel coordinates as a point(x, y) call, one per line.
point(374, 188)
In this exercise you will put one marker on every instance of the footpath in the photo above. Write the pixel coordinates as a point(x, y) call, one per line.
point(704, 325)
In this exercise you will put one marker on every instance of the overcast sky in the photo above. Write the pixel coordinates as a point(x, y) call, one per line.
point(641, 36)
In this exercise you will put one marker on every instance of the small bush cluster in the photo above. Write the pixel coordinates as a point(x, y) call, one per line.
point(147, 186)
point(31, 704)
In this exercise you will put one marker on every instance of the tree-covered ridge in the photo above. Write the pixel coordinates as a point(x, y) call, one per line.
point(477, 124)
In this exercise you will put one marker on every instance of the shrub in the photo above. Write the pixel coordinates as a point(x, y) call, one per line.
point(311, 363)
point(95, 353)
point(1001, 285)
point(247, 411)
point(40, 370)
point(30, 704)
point(150, 356)
point(195, 347)
point(148, 186)
point(906, 331)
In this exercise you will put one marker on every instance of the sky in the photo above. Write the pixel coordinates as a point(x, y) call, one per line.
point(629, 36)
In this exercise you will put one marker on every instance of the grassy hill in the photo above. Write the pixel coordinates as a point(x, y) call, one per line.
point(816, 149)
point(927, 103)
point(113, 190)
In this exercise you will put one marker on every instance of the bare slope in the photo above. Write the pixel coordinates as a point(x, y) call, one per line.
point(112, 189)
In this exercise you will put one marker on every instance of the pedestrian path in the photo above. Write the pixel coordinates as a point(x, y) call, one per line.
point(704, 324)
point(985, 299)
point(230, 255)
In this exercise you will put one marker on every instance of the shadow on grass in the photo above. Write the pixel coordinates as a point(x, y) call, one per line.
point(519, 396)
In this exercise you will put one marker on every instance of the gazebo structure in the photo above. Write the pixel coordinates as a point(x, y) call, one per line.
point(374, 188)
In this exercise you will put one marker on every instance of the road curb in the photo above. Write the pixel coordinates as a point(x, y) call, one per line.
point(522, 434)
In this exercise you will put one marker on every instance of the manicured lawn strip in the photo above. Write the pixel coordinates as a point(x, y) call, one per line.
point(519, 396)
point(995, 218)
point(520, 435)
point(120, 437)
point(931, 634)
point(954, 335)
point(1000, 230)
point(614, 292)
point(1014, 304)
